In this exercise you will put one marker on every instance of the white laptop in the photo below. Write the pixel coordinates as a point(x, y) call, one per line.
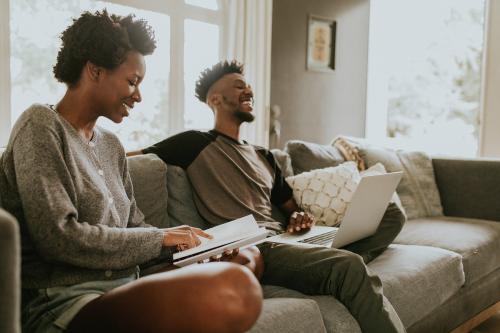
point(362, 218)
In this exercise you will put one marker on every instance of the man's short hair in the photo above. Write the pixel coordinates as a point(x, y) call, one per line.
point(211, 75)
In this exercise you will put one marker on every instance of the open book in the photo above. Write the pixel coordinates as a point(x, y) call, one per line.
point(239, 233)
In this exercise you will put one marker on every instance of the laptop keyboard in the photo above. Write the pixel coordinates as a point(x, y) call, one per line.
point(323, 239)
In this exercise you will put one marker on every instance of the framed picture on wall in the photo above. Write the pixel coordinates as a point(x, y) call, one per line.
point(321, 44)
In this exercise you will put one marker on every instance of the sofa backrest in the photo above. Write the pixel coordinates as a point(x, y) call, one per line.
point(418, 190)
point(306, 156)
point(163, 193)
point(149, 178)
point(469, 187)
point(181, 207)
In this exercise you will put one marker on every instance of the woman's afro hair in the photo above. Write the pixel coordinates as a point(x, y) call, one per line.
point(102, 39)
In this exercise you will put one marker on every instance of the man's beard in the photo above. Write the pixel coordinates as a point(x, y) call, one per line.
point(244, 116)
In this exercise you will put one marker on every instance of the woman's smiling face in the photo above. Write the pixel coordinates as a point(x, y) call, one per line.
point(118, 89)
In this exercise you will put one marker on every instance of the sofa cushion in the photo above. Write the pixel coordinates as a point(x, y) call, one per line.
point(335, 315)
point(149, 178)
point(477, 241)
point(325, 193)
point(418, 190)
point(307, 156)
point(289, 315)
point(418, 279)
point(284, 162)
point(181, 207)
point(468, 302)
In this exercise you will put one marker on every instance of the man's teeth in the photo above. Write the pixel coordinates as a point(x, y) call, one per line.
point(126, 107)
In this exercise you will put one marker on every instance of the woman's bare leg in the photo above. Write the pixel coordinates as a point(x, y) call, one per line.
point(214, 297)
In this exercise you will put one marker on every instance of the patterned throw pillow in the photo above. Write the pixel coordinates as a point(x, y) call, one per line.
point(325, 193)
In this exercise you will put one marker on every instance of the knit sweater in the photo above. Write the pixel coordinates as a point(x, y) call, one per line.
point(74, 202)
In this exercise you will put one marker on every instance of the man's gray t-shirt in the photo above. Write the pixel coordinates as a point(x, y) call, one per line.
point(230, 179)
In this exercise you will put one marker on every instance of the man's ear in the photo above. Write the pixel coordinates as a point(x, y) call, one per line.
point(214, 99)
point(93, 71)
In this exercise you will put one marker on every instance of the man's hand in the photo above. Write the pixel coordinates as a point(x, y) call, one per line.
point(300, 221)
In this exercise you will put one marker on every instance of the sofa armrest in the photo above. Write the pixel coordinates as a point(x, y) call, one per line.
point(469, 187)
point(10, 274)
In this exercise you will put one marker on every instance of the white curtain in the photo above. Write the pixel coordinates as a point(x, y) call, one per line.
point(247, 38)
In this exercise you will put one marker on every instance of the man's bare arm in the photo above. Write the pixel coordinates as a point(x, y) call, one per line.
point(134, 153)
point(289, 207)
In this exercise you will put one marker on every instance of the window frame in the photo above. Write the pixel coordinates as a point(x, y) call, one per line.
point(490, 99)
point(178, 11)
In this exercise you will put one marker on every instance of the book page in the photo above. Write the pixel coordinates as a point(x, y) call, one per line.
point(223, 234)
point(234, 229)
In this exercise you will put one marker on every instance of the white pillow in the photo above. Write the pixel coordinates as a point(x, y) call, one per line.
point(326, 192)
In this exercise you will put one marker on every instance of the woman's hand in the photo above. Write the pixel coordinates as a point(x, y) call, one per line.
point(183, 237)
point(249, 257)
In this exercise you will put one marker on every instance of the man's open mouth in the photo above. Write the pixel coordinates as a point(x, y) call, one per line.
point(247, 100)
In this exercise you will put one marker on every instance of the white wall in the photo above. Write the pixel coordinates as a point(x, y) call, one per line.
point(490, 136)
point(317, 106)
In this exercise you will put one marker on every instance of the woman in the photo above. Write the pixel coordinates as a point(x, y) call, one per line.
point(67, 183)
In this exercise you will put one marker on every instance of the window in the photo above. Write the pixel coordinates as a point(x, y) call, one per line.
point(424, 84)
point(210, 4)
point(200, 38)
point(183, 31)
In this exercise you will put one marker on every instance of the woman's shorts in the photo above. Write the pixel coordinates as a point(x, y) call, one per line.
point(50, 310)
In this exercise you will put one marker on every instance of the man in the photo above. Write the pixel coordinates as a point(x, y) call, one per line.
point(231, 178)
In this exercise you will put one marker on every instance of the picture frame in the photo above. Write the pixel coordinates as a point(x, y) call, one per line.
point(321, 36)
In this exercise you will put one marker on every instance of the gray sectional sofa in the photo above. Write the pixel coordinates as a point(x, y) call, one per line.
point(442, 270)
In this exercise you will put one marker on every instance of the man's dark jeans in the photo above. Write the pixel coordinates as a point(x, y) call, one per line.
point(341, 273)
